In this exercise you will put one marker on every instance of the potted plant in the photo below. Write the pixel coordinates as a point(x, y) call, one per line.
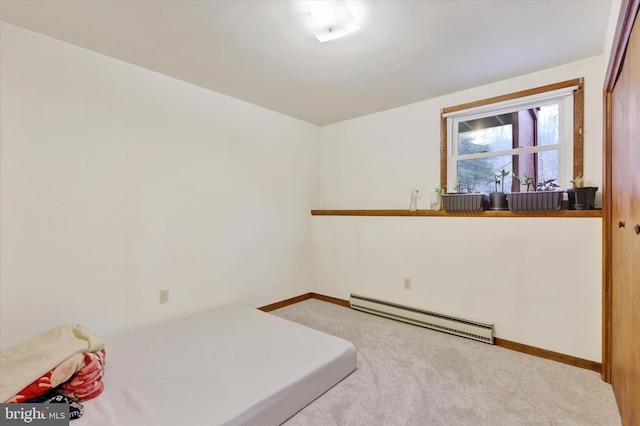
point(464, 200)
point(547, 185)
point(539, 197)
point(529, 182)
point(436, 196)
point(581, 197)
point(498, 199)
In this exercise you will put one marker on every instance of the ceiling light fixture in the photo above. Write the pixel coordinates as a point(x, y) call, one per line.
point(330, 19)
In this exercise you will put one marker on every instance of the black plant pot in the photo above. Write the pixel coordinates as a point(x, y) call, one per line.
point(498, 201)
point(582, 198)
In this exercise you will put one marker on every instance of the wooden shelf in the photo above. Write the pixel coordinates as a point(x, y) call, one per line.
point(486, 213)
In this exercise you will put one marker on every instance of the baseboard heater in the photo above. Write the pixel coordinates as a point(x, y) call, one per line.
point(458, 326)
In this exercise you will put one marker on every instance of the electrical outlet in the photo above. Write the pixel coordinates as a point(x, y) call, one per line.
point(407, 283)
point(164, 296)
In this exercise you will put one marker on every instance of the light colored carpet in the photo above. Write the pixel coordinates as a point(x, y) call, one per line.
point(410, 375)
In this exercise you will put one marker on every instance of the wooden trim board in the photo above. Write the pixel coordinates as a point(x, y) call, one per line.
point(547, 354)
point(287, 302)
point(442, 213)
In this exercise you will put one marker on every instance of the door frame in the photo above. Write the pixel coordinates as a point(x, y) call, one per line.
point(626, 17)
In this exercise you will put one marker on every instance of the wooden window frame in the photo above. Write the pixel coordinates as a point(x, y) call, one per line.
point(578, 121)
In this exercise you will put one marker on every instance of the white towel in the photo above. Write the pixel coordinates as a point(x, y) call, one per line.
point(26, 362)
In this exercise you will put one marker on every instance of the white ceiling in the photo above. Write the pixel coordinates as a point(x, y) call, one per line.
point(262, 52)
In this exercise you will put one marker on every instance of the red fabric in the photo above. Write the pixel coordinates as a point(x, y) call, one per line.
point(79, 375)
point(87, 382)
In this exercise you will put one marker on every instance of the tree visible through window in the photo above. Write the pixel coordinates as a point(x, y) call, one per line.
point(480, 138)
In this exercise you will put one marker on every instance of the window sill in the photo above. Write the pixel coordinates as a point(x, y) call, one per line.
point(441, 213)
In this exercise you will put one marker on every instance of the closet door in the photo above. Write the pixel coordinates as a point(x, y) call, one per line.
point(625, 234)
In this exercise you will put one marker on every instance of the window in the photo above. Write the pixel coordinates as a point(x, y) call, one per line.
point(535, 133)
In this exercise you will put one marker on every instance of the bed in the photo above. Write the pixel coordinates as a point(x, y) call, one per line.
point(230, 366)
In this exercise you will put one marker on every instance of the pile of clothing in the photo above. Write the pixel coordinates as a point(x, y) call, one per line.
point(64, 364)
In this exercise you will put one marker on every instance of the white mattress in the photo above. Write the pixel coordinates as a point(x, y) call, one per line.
point(230, 366)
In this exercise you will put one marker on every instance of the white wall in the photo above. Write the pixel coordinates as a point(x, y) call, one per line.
point(537, 279)
point(117, 182)
point(616, 5)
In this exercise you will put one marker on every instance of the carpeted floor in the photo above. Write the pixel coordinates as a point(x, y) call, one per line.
point(409, 375)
